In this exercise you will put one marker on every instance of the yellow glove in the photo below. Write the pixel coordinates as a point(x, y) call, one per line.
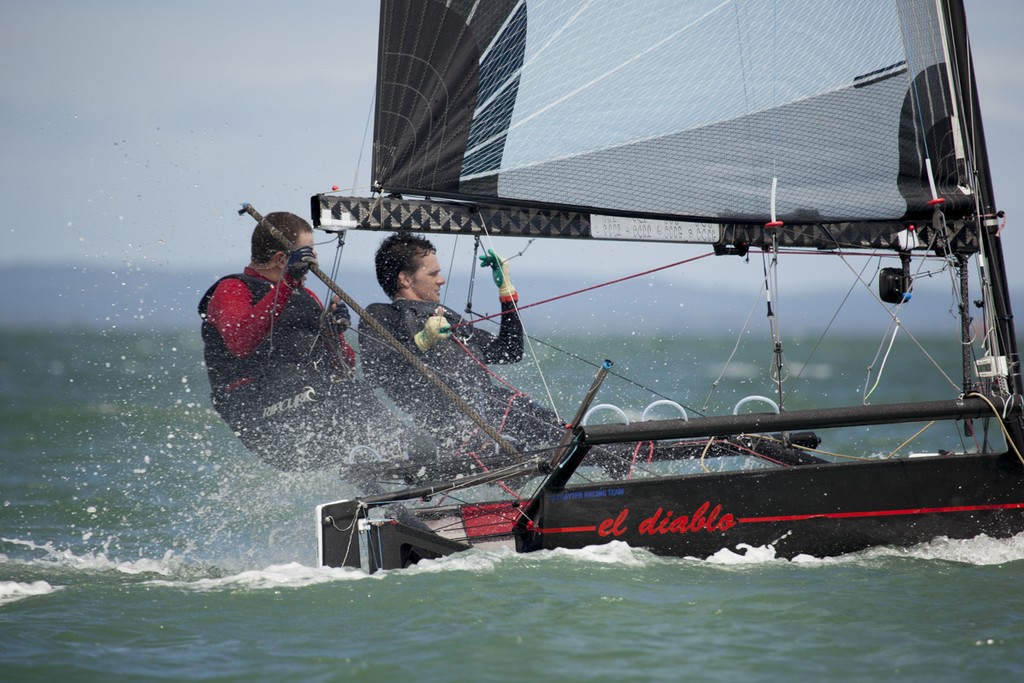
point(435, 329)
point(500, 272)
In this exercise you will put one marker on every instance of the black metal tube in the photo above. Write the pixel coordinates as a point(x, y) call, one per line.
point(821, 418)
point(528, 467)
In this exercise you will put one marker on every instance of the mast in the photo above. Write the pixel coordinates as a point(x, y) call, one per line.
point(991, 246)
point(996, 292)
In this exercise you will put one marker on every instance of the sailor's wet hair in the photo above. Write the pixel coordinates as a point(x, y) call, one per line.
point(265, 245)
point(399, 253)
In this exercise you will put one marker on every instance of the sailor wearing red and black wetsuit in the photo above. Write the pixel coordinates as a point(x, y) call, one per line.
point(281, 372)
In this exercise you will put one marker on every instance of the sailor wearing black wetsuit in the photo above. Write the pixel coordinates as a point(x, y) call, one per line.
point(408, 271)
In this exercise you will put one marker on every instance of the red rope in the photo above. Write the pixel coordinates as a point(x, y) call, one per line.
point(504, 418)
point(588, 289)
point(636, 452)
point(500, 483)
point(486, 369)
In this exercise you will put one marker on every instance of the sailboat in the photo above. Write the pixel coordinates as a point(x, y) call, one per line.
point(742, 126)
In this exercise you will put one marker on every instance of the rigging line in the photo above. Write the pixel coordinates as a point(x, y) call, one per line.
point(592, 364)
point(894, 325)
point(919, 432)
point(532, 338)
point(893, 315)
point(1002, 424)
point(824, 332)
point(772, 287)
point(617, 375)
point(451, 269)
point(939, 217)
point(529, 344)
point(472, 275)
point(703, 454)
point(326, 314)
point(827, 252)
point(483, 365)
point(469, 312)
point(735, 348)
point(592, 287)
point(957, 268)
point(366, 132)
point(501, 483)
point(867, 392)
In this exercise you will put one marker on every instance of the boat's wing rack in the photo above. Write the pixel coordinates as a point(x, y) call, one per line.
point(336, 213)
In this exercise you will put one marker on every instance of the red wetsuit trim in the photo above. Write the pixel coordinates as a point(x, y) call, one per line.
point(244, 325)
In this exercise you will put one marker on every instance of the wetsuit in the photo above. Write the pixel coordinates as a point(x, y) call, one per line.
point(458, 363)
point(281, 376)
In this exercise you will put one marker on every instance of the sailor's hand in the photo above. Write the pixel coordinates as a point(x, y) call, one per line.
point(298, 265)
point(500, 272)
point(435, 329)
point(339, 314)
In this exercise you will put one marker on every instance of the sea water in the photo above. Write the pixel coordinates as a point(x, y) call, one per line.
point(139, 541)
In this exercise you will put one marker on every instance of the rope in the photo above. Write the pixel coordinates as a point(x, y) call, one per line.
point(735, 348)
point(1002, 426)
point(636, 452)
point(588, 289)
point(821, 337)
point(919, 432)
point(895, 320)
point(592, 364)
point(351, 528)
point(483, 366)
point(529, 338)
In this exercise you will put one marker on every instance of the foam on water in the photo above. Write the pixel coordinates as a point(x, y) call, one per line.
point(616, 552)
point(982, 550)
point(50, 556)
point(744, 554)
point(469, 561)
point(291, 575)
point(11, 591)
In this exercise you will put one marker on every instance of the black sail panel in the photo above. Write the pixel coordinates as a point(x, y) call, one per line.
point(420, 131)
point(430, 76)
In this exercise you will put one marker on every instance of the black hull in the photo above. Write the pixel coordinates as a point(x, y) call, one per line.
point(819, 510)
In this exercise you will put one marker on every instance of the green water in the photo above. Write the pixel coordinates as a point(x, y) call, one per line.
point(139, 541)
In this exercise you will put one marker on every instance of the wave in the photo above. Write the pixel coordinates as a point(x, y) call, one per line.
point(12, 591)
point(174, 572)
point(48, 555)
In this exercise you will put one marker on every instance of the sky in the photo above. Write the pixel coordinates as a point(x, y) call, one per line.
point(132, 131)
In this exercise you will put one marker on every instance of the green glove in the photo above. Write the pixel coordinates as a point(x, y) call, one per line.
point(500, 272)
point(435, 329)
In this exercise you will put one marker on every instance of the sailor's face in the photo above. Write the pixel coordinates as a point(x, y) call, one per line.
point(425, 284)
